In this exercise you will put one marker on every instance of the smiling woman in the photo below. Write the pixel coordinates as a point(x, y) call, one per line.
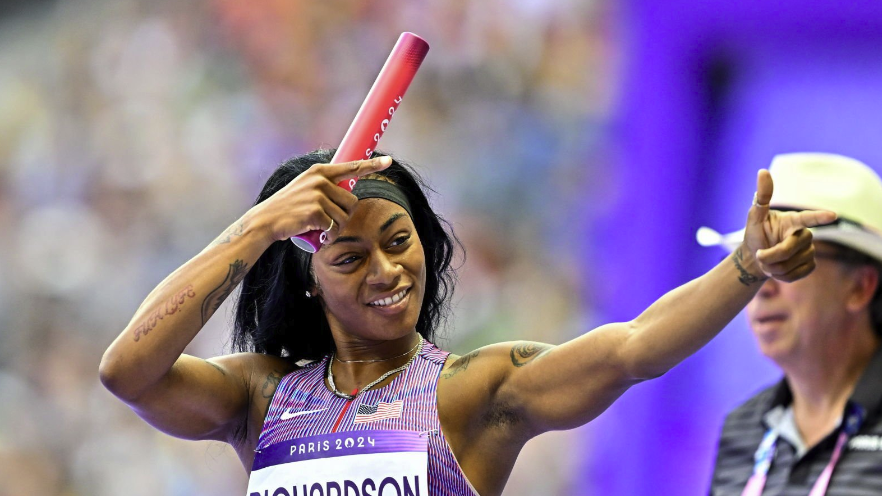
point(274, 313)
point(337, 386)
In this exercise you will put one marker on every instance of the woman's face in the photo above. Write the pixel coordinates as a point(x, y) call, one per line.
point(372, 278)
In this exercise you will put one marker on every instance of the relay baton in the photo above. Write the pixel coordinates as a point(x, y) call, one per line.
point(374, 115)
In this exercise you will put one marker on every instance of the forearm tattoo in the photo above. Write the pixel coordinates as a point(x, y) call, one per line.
point(746, 277)
point(213, 301)
point(235, 230)
point(170, 308)
point(460, 365)
point(524, 353)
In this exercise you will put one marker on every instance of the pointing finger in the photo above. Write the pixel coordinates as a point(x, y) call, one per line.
point(812, 218)
point(358, 168)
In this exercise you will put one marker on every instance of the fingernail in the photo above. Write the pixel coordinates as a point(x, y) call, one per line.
point(385, 160)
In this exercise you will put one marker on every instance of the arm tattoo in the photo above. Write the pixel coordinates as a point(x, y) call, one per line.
point(746, 277)
point(227, 236)
point(460, 365)
point(213, 301)
point(270, 384)
point(160, 312)
point(524, 353)
point(269, 389)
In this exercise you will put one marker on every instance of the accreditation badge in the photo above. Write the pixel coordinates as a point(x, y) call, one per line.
point(355, 463)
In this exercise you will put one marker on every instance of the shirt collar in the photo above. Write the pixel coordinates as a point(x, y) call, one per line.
point(780, 419)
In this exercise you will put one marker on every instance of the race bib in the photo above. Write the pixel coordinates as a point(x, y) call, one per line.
point(355, 463)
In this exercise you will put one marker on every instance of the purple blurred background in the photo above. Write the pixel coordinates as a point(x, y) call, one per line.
point(133, 132)
point(710, 92)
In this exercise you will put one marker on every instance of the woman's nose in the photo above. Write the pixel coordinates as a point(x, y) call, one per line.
point(383, 270)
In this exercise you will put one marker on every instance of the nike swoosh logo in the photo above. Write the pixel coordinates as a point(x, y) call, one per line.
point(287, 415)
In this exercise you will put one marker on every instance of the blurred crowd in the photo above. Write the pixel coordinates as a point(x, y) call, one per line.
point(133, 132)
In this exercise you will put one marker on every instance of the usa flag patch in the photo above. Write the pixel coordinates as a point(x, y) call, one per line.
point(380, 411)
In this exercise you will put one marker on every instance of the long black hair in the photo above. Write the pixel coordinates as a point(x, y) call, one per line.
point(273, 314)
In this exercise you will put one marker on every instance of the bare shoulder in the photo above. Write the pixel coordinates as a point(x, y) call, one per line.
point(469, 383)
point(485, 429)
point(254, 367)
point(497, 359)
point(260, 375)
point(267, 371)
point(266, 374)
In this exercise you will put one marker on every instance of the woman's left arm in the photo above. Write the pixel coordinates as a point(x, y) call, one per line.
point(559, 387)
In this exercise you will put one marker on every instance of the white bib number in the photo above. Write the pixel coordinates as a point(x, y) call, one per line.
point(356, 463)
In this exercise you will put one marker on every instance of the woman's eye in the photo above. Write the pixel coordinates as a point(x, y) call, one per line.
point(400, 240)
point(347, 260)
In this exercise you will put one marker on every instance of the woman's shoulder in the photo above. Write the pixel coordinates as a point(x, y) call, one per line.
point(261, 366)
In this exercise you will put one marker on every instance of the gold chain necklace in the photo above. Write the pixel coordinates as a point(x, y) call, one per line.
point(380, 379)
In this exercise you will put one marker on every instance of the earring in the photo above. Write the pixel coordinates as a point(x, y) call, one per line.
point(308, 294)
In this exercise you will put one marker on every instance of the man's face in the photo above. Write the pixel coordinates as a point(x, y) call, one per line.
point(800, 320)
point(376, 258)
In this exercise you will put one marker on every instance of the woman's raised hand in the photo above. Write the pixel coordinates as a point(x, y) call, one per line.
point(313, 200)
point(780, 242)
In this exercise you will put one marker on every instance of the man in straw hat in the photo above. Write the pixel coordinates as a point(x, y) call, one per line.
point(819, 430)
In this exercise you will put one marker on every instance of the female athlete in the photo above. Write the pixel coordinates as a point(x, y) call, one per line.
point(338, 389)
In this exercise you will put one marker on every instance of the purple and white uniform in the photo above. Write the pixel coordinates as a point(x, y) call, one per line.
point(307, 424)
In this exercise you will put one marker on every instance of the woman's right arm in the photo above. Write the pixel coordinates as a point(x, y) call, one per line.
point(145, 368)
point(200, 399)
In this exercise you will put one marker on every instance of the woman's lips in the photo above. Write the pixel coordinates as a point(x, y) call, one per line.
point(394, 306)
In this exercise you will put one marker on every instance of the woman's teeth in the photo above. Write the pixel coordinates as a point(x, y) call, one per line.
point(390, 300)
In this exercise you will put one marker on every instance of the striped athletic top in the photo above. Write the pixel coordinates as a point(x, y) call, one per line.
point(311, 409)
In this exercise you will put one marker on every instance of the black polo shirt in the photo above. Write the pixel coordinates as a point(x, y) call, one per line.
point(858, 473)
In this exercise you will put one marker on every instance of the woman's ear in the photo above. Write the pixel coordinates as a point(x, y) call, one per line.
point(313, 291)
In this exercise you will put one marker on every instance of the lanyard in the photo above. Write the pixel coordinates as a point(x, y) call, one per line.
point(765, 453)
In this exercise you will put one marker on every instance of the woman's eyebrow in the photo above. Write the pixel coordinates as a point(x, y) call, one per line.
point(391, 220)
point(355, 239)
point(347, 239)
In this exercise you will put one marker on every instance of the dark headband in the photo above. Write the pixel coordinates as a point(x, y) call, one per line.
point(377, 188)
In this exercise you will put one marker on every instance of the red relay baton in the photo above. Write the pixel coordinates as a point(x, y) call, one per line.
point(374, 115)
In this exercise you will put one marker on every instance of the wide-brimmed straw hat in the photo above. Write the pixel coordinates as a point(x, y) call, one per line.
point(823, 181)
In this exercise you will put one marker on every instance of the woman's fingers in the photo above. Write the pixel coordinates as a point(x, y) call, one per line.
point(355, 169)
point(812, 218)
point(797, 263)
point(786, 248)
point(316, 220)
point(344, 199)
point(755, 231)
point(759, 211)
point(313, 200)
point(797, 272)
point(339, 216)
